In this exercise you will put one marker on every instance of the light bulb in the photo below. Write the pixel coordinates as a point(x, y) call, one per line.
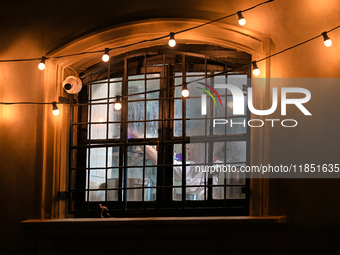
point(118, 106)
point(41, 65)
point(185, 91)
point(106, 56)
point(56, 112)
point(256, 70)
point(172, 41)
point(241, 19)
point(326, 40)
point(55, 108)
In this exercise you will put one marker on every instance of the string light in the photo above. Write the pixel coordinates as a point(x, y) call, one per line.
point(55, 108)
point(41, 65)
point(106, 56)
point(185, 91)
point(118, 104)
point(326, 40)
point(172, 41)
point(256, 70)
point(241, 19)
point(142, 41)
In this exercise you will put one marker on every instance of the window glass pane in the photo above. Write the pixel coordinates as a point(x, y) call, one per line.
point(136, 86)
point(114, 131)
point(114, 115)
point(237, 126)
point(193, 108)
point(237, 80)
point(112, 195)
point(220, 79)
point(237, 178)
point(113, 158)
point(152, 129)
point(135, 156)
point(219, 110)
point(115, 89)
point(195, 154)
point(99, 90)
point(152, 110)
point(97, 157)
point(97, 179)
point(97, 195)
point(178, 108)
point(136, 110)
point(98, 113)
point(177, 172)
point(195, 127)
point(178, 129)
point(153, 84)
point(98, 131)
point(236, 151)
point(178, 81)
point(136, 129)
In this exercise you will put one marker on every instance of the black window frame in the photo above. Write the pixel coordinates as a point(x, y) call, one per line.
point(164, 205)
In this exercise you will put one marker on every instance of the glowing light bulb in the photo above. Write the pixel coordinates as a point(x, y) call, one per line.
point(326, 40)
point(172, 41)
point(256, 70)
point(106, 56)
point(241, 19)
point(55, 108)
point(185, 91)
point(118, 104)
point(41, 65)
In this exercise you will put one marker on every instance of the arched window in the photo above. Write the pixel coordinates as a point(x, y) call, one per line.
point(132, 159)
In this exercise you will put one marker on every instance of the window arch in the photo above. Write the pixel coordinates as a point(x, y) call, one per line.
point(225, 35)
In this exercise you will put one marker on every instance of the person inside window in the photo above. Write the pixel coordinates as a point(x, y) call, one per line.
point(195, 155)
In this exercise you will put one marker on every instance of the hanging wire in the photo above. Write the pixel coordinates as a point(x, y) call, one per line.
point(162, 37)
point(135, 43)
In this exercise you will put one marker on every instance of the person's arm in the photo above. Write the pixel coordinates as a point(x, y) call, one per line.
point(150, 152)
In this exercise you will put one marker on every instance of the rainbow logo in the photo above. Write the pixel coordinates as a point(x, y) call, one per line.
point(204, 97)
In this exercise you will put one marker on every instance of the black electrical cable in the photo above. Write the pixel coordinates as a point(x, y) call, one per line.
point(133, 44)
